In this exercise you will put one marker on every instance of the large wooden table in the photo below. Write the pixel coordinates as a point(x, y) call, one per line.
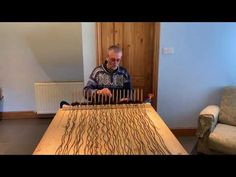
point(109, 130)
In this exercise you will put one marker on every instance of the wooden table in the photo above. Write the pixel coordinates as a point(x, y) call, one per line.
point(109, 130)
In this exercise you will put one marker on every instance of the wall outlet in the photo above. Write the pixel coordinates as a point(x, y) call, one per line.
point(168, 51)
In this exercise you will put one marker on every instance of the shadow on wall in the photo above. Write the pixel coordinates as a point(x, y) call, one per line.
point(214, 96)
point(58, 50)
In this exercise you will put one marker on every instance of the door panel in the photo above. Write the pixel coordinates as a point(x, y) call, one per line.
point(139, 42)
point(119, 35)
point(107, 37)
point(138, 54)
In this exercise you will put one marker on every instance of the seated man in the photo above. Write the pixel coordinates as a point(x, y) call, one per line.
point(108, 77)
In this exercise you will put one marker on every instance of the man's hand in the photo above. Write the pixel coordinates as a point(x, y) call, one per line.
point(104, 91)
point(150, 95)
point(124, 100)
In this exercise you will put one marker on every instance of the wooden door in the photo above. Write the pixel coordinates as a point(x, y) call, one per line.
point(106, 39)
point(140, 44)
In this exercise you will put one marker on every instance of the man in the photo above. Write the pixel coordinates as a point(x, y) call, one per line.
point(109, 76)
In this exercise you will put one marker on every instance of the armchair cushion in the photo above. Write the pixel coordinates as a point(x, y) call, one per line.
point(228, 106)
point(223, 139)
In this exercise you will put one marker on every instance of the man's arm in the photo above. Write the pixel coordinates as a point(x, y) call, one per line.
point(127, 86)
point(127, 82)
point(90, 88)
point(91, 85)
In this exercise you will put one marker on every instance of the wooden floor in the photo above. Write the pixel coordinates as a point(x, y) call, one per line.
point(189, 143)
point(22, 136)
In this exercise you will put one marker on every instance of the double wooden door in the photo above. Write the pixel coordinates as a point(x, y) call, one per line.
point(140, 44)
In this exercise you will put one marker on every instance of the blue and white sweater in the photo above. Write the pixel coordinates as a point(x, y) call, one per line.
point(101, 78)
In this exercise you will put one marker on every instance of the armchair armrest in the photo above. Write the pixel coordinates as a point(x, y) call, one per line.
point(208, 119)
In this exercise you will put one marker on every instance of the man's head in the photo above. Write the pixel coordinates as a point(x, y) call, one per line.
point(113, 57)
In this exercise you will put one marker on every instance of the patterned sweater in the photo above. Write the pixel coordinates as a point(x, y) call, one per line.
point(101, 78)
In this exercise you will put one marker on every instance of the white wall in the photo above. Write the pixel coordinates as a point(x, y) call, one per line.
point(190, 79)
point(203, 62)
point(37, 52)
point(89, 48)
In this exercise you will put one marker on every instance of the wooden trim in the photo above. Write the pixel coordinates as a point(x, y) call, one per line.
point(1, 96)
point(45, 116)
point(155, 68)
point(99, 43)
point(18, 115)
point(24, 115)
point(184, 131)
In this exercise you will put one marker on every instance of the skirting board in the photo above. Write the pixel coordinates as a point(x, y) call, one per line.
point(24, 115)
point(184, 131)
point(45, 116)
point(18, 115)
point(33, 115)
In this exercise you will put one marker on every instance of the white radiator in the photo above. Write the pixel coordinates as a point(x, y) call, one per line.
point(49, 95)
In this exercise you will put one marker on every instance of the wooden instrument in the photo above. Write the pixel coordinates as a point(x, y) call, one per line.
point(109, 129)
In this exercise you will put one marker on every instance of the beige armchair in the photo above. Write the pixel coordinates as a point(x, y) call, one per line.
point(217, 126)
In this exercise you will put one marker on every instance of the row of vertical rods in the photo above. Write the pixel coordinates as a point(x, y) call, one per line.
point(133, 95)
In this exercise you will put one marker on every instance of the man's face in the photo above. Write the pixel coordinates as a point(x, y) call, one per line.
point(113, 59)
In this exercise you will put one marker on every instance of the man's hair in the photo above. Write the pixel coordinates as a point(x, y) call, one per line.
point(115, 48)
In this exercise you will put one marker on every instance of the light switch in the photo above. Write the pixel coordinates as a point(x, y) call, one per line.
point(168, 51)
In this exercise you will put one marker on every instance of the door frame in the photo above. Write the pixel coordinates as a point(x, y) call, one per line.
point(155, 66)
